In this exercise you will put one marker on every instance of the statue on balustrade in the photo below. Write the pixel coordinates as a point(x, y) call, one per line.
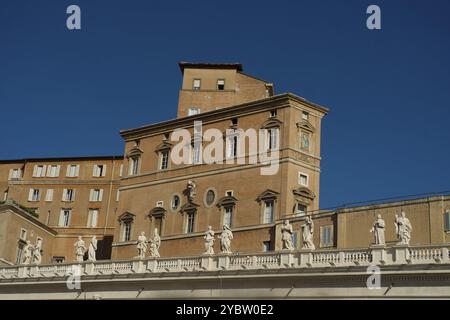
point(37, 256)
point(92, 249)
point(403, 228)
point(209, 241)
point(80, 249)
point(27, 253)
point(378, 231)
point(225, 239)
point(308, 234)
point(142, 245)
point(155, 243)
point(286, 235)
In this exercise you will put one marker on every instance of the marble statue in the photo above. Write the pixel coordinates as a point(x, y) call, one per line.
point(286, 235)
point(142, 245)
point(37, 256)
point(403, 228)
point(308, 232)
point(209, 241)
point(378, 230)
point(27, 253)
point(80, 249)
point(191, 190)
point(225, 239)
point(155, 243)
point(92, 249)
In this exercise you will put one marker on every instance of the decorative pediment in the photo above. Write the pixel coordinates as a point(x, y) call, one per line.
point(189, 207)
point(305, 125)
point(227, 201)
point(157, 212)
point(303, 192)
point(126, 217)
point(267, 195)
point(134, 152)
point(271, 123)
point(165, 145)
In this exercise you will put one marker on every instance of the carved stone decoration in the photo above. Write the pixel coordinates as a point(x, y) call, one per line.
point(37, 256)
point(142, 245)
point(27, 253)
point(225, 239)
point(286, 235)
point(403, 228)
point(191, 190)
point(209, 241)
point(80, 249)
point(308, 232)
point(155, 243)
point(92, 249)
point(378, 229)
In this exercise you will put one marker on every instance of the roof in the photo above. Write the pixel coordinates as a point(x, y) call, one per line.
point(206, 65)
point(63, 159)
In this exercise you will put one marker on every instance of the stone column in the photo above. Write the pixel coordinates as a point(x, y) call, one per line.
point(224, 261)
point(378, 253)
point(138, 266)
point(207, 262)
point(286, 258)
point(152, 265)
point(89, 268)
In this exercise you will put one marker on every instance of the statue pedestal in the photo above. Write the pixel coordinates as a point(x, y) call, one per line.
point(378, 252)
point(89, 268)
point(23, 272)
point(138, 266)
point(286, 258)
point(152, 265)
point(401, 254)
point(305, 258)
point(223, 260)
point(207, 262)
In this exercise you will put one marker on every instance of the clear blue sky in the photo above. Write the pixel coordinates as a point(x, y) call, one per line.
point(68, 93)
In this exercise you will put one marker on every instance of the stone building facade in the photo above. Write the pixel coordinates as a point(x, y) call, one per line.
point(116, 198)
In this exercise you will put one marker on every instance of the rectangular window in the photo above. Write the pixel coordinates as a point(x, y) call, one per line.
point(273, 113)
point(92, 218)
point(232, 146)
point(221, 84)
point(19, 253)
point(58, 259)
point(301, 209)
point(15, 174)
point(23, 234)
point(305, 115)
point(39, 171)
point(196, 84)
point(447, 221)
point(229, 193)
point(268, 211)
point(158, 224)
point(266, 246)
point(326, 236)
point(164, 162)
point(68, 195)
point(99, 170)
point(190, 222)
point(49, 195)
point(303, 179)
point(73, 170)
point(193, 111)
point(272, 143)
point(126, 231)
point(34, 195)
point(96, 195)
point(64, 218)
point(228, 216)
point(160, 204)
point(53, 171)
point(134, 167)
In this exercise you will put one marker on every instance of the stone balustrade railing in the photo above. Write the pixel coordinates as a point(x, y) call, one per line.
point(271, 260)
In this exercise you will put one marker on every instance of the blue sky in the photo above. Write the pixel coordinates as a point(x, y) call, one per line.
point(68, 93)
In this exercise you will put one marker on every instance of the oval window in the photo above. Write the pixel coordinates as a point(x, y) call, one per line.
point(210, 197)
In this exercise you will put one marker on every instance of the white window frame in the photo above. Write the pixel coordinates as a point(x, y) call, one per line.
point(68, 195)
point(228, 213)
point(192, 111)
point(73, 170)
point(160, 204)
point(24, 232)
point(39, 171)
point(91, 214)
point(64, 220)
point(53, 171)
point(34, 195)
point(272, 215)
point(196, 87)
point(95, 196)
point(49, 195)
point(300, 174)
point(220, 82)
point(99, 170)
point(161, 159)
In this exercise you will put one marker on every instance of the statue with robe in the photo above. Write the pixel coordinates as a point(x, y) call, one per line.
point(286, 235)
point(142, 245)
point(27, 253)
point(155, 243)
point(80, 249)
point(378, 229)
point(92, 249)
point(225, 239)
point(403, 228)
point(209, 241)
point(37, 256)
point(308, 232)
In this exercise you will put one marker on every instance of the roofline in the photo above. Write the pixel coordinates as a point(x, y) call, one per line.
point(11, 206)
point(205, 65)
point(121, 157)
point(231, 109)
